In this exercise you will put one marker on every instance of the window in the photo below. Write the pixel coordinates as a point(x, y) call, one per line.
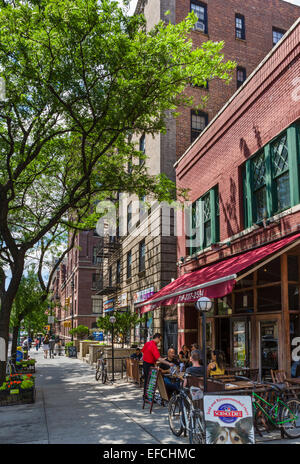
point(94, 281)
point(277, 35)
point(259, 187)
point(240, 76)
point(142, 208)
point(118, 276)
point(280, 170)
point(271, 178)
point(96, 259)
point(204, 220)
point(129, 217)
point(142, 255)
point(199, 121)
point(97, 305)
point(129, 261)
point(240, 27)
point(200, 10)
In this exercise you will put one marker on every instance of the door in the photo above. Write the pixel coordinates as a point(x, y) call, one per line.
point(240, 339)
point(268, 347)
point(170, 335)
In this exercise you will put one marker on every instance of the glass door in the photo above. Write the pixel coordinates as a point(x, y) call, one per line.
point(240, 342)
point(269, 344)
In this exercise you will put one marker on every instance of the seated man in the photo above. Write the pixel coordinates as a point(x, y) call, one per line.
point(196, 370)
point(137, 355)
point(171, 385)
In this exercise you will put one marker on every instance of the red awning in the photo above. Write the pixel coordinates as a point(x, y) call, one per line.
point(214, 281)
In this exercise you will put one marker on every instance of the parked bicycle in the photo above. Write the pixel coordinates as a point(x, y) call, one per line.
point(185, 414)
point(101, 369)
point(281, 414)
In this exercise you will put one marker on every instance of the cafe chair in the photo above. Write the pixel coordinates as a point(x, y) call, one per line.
point(280, 378)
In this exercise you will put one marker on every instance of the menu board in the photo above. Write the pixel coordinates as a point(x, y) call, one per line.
point(151, 387)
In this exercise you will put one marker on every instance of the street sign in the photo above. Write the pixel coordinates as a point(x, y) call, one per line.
point(50, 319)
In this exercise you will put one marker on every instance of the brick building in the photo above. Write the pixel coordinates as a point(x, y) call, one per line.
point(73, 286)
point(143, 263)
point(243, 172)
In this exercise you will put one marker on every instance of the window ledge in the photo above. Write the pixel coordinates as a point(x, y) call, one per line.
point(142, 274)
point(241, 40)
point(205, 34)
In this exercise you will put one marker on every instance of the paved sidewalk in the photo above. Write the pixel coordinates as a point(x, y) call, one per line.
point(71, 407)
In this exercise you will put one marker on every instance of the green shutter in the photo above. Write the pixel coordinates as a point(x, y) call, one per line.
point(269, 184)
point(213, 215)
point(249, 193)
point(293, 149)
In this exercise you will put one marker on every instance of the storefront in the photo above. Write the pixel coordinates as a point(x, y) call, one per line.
point(256, 316)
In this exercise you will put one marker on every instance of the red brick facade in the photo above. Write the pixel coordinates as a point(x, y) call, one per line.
point(267, 105)
point(260, 17)
point(79, 266)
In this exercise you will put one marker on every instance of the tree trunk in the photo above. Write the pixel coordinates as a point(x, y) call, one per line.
point(14, 344)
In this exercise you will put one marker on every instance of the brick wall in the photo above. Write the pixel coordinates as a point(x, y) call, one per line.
point(267, 105)
point(260, 17)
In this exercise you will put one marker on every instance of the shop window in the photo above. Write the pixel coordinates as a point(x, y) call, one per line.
point(293, 268)
point(294, 297)
point(224, 305)
point(244, 302)
point(269, 299)
point(246, 282)
point(270, 273)
point(294, 343)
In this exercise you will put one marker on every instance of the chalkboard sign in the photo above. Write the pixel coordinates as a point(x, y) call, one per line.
point(72, 351)
point(151, 387)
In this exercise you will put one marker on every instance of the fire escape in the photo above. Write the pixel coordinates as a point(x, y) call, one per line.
point(108, 251)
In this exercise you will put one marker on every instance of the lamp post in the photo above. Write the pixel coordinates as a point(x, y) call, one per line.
point(72, 309)
point(112, 320)
point(203, 305)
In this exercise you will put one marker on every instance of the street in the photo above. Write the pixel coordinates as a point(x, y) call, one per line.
point(72, 408)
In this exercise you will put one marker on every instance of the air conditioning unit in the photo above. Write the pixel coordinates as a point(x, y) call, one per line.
point(200, 27)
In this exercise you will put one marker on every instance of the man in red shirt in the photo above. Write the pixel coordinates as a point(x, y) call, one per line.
point(151, 355)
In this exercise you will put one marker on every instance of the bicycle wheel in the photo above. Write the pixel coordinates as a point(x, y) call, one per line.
point(103, 374)
point(290, 416)
point(196, 428)
point(98, 372)
point(175, 415)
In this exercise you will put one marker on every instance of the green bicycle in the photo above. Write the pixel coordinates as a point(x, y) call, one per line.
point(280, 414)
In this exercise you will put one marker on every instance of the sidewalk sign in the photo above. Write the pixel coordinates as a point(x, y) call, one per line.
point(228, 419)
point(155, 379)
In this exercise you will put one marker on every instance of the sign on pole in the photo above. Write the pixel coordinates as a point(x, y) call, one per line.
point(50, 319)
point(228, 420)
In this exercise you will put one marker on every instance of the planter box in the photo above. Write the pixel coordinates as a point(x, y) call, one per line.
point(84, 348)
point(94, 352)
point(118, 353)
point(23, 396)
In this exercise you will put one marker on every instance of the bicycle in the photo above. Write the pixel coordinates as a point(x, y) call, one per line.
point(101, 369)
point(280, 414)
point(185, 415)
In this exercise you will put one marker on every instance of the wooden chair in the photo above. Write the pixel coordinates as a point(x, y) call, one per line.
point(279, 376)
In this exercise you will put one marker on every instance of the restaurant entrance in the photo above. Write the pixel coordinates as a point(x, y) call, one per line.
point(222, 342)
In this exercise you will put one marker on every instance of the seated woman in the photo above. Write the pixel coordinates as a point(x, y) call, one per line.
point(184, 355)
point(171, 385)
point(217, 366)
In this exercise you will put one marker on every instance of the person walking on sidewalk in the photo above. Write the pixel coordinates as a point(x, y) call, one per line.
point(46, 346)
point(151, 355)
point(51, 347)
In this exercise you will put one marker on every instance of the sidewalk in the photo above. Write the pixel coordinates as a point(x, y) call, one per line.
point(71, 407)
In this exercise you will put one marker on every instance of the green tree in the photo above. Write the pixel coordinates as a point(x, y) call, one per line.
point(28, 307)
point(81, 76)
point(81, 331)
point(124, 323)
